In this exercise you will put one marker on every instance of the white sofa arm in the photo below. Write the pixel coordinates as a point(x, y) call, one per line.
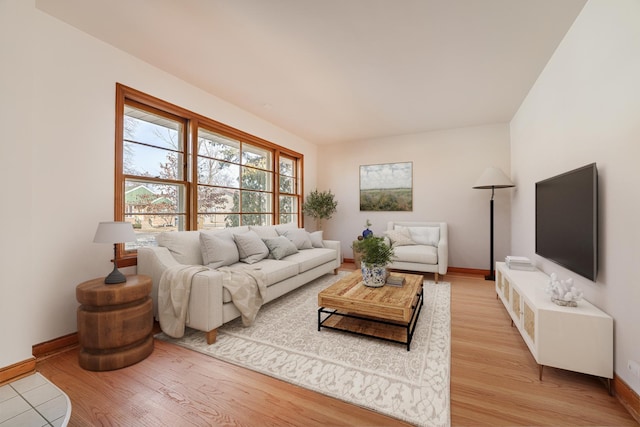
point(153, 261)
point(443, 249)
point(334, 244)
point(206, 301)
point(443, 257)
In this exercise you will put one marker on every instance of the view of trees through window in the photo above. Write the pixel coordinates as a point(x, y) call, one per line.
point(214, 179)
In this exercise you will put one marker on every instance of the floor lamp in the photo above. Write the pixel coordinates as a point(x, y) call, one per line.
point(492, 178)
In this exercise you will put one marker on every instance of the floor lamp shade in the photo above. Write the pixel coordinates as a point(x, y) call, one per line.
point(114, 232)
point(492, 178)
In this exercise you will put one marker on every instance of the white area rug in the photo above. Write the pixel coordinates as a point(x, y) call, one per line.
point(285, 343)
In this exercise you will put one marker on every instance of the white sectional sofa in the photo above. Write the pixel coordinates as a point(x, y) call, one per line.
point(210, 304)
point(419, 246)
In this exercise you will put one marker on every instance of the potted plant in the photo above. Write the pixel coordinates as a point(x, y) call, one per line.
point(320, 205)
point(376, 255)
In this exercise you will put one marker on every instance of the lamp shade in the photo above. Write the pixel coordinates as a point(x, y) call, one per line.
point(114, 232)
point(493, 178)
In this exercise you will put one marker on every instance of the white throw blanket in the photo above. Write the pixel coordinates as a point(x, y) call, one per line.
point(173, 297)
point(248, 289)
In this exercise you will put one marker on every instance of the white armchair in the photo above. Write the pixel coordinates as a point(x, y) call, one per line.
point(426, 251)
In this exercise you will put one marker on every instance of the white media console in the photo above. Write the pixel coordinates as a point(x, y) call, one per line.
point(577, 339)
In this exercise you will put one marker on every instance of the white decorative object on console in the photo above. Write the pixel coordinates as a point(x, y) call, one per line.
point(563, 292)
point(578, 339)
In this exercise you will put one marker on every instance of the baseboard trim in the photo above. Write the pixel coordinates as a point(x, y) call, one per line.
point(55, 345)
point(39, 351)
point(17, 370)
point(627, 396)
point(477, 271)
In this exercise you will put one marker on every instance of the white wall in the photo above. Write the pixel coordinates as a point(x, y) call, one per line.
point(16, 177)
point(446, 164)
point(585, 107)
point(58, 164)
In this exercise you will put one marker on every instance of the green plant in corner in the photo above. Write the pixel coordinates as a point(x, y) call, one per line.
point(320, 205)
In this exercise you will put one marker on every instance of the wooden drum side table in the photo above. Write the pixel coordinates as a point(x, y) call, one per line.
point(115, 323)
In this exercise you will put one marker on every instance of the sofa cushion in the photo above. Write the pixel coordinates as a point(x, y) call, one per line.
point(316, 239)
point(238, 230)
point(425, 235)
point(281, 228)
point(399, 237)
point(275, 271)
point(280, 247)
point(183, 245)
point(251, 248)
point(218, 248)
point(264, 231)
point(299, 237)
point(423, 254)
point(312, 258)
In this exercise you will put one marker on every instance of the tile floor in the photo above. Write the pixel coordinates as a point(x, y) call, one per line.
point(33, 401)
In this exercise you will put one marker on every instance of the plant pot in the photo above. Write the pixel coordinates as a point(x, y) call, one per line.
point(374, 275)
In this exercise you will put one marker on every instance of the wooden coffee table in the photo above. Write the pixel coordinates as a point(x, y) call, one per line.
point(389, 312)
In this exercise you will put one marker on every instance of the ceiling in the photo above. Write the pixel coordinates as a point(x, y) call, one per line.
point(335, 71)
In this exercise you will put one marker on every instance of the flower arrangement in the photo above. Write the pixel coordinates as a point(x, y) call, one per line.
point(563, 292)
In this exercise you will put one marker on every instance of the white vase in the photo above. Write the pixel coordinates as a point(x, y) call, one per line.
point(374, 275)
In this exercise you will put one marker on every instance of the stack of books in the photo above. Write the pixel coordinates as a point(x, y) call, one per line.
point(395, 280)
point(519, 263)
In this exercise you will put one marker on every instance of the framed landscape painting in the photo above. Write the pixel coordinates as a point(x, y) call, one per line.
point(386, 187)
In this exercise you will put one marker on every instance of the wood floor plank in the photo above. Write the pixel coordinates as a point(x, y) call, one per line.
point(494, 382)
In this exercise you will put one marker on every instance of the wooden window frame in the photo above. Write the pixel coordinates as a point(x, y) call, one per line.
point(128, 96)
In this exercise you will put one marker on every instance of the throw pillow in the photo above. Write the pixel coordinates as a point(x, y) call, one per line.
point(183, 245)
point(316, 239)
point(280, 247)
point(425, 235)
point(264, 231)
point(399, 237)
point(281, 228)
point(218, 248)
point(299, 237)
point(251, 248)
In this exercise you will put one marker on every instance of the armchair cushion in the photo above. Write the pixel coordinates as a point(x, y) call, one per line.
point(399, 237)
point(425, 235)
point(422, 254)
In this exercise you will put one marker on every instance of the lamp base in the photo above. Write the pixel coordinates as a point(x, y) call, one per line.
point(490, 276)
point(115, 277)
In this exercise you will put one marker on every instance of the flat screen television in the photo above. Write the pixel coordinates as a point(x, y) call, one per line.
point(567, 220)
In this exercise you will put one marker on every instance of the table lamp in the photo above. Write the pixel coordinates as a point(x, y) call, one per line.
point(114, 232)
point(492, 178)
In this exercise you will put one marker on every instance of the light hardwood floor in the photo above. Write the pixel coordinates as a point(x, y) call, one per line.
point(494, 382)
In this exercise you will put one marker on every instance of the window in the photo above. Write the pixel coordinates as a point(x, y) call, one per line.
point(176, 170)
